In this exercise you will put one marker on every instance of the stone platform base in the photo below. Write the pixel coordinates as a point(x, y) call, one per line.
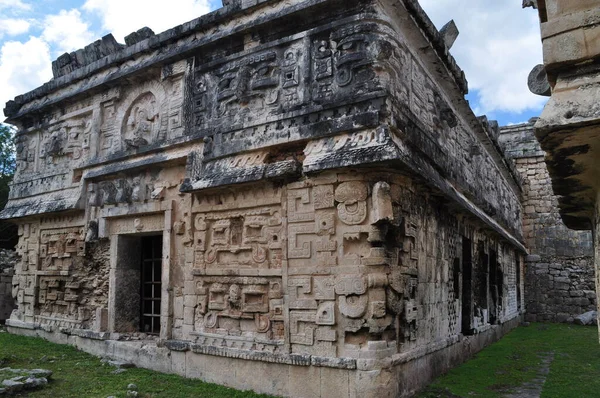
point(406, 374)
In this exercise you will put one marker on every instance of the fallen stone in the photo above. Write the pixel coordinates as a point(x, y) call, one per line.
point(586, 318)
point(35, 382)
point(132, 393)
point(12, 386)
point(132, 387)
point(45, 373)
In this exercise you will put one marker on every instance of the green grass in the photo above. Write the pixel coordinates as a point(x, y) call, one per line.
point(77, 374)
point(497, 370)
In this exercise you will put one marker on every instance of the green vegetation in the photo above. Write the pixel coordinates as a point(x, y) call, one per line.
point(514, 360)
point(77, 374)
point(8, 231)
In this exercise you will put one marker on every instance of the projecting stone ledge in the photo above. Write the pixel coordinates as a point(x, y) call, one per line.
point(54, 202)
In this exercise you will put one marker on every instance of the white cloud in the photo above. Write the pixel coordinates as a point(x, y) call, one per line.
point(498, 45)
point(121, 17)
point(14, 5)
point(23, 66)
point(13, 27)
point(66, 31)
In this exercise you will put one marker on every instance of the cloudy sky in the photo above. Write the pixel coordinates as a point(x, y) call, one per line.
point(499, 42)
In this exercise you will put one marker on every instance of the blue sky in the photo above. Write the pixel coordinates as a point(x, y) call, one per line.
point(499, 42)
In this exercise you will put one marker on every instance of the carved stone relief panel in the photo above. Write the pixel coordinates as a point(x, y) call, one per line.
point(238, 253)
point(25, 154)
point(59, 296)
point(141, 188)
point(66, 145)
point(342, 62)
point(338, 265)
point(175, 118)
point(59, 248)
point(243, 239)
point(250, 88)
point(140, 116)
point(109, 133)
point(332, 225)
point(139, 224)
point(271, 81)
point(239, 306)
point(141, 122)
point(28, 247)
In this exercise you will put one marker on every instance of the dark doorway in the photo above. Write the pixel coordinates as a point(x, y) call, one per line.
point(518, 272)
point(481, 293)
point(495, 286)
point(151, 284)
point(467, 286)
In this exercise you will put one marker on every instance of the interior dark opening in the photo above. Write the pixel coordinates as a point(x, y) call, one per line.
point(151, 274)
point(467, 287)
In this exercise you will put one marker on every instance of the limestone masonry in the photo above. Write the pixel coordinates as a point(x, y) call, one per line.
point(292, 197)
point(8, 260)
point(559, 270)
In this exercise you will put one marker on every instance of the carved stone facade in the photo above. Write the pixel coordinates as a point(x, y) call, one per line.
point(295, 189)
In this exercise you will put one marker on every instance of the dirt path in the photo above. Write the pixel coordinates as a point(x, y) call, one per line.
point(533, 388)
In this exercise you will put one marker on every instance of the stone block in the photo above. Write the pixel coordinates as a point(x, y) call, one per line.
point(335, 382)
point(178, 362)
point(306, 379)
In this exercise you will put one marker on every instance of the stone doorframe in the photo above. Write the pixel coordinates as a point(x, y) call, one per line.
point(139, 220)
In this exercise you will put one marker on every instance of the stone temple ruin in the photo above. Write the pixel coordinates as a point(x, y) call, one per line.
point(291, 190)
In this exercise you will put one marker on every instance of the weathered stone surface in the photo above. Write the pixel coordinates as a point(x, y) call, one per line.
point(449, 33)
point(570, 120)
point(560, 259)
point(12, 385)
point(68, 62)
point(8, 261)
point(538, 81)
point(276, 186)
point(587, 318)
point(136, 37)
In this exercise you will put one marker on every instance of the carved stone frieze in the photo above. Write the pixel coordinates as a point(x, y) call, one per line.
point(58, 248)
point(236, 306)
point(239, 239)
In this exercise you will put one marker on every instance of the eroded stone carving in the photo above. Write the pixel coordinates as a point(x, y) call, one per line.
point(141, 124)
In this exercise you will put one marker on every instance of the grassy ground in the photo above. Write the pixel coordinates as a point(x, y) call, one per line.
point(77, 374)
point(497, 370)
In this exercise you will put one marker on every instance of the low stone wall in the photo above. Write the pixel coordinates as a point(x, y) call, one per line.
point(403, 375)
point(8, 259)
point(559, 279)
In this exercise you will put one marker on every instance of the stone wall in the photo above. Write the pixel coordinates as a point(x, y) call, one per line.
point(559, 281)
point(8, 260)
point(315, 188)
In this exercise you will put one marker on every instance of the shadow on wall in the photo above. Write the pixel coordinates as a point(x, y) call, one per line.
point(8, 259)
